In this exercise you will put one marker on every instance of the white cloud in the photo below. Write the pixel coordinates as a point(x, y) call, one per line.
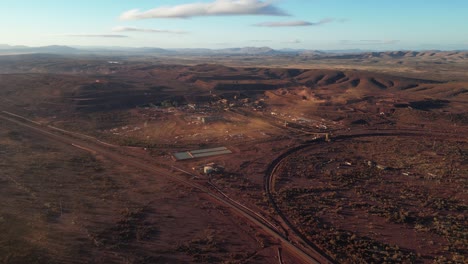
point(93, 35)
point(215, 8)
point(298, 23)
point(260, 40)
point(147, 30)
point(294, 41)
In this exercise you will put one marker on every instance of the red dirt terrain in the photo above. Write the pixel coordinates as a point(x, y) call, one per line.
point(364, 205)
point(339, 166)
point(65, 205)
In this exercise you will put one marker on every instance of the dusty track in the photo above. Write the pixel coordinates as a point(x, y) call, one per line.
point(269, 179)
point(306, 256)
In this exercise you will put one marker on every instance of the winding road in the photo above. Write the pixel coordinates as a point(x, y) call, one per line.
point(269, 179)
point(295, 242)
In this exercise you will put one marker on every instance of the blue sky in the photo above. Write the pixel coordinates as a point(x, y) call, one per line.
point(309, 24)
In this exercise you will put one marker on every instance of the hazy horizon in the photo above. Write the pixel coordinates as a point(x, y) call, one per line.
point(112, 47)
point(218, 24)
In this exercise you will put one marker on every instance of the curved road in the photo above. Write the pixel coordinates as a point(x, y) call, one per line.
point(269, 179)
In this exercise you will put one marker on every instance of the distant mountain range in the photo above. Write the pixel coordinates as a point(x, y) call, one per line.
point(54, 49)
point(252, 51)
point(145, 50)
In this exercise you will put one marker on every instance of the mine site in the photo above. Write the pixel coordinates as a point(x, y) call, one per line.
point(312, 164)
point(110, 153)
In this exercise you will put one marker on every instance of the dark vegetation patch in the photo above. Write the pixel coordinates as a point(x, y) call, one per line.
point(159, 88)
point(459, 118)
point(245, 86)
point(231, 78)
point(342, 80)
point(378, 83)
point(106, 86)
point(205, 249)
point(97, 97)
point(113, 100)
point(462, 91)
point(332, 78)
point(86, 163)
point(401, 105)
point(360, 122)
point(294, 72)
point(355, 82)
point(429, 104)
point(15, 135)
point(368, 99)
point(132, 226)
point(19, 252)
point(409, 86)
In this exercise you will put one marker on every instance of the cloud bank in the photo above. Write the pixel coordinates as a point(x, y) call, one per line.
point(260, 40)
point(293, 41)
point(298, 23)
point(215, 8)
point(147, 30)
point(93, 35)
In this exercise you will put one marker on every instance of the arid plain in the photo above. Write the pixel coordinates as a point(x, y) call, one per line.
point(356, 158)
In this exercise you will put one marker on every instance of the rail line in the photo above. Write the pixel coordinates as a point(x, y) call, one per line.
point(232, 200)
point(269, 179)
point(240, 210)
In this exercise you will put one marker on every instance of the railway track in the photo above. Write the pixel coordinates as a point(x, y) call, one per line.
point(269, 179)
point(269, 190)
point(302, 254)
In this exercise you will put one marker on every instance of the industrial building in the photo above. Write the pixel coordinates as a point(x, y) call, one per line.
point(201, 153)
